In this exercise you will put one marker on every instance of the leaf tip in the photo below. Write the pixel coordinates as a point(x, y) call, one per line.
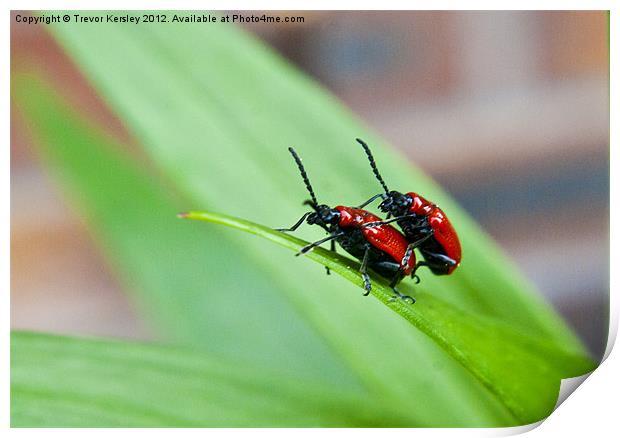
point(183, 215)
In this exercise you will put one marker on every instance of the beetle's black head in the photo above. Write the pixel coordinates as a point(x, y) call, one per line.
point(323, 215)
point(395, 203)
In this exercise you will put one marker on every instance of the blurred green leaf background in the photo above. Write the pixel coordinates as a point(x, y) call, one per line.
point(254, 336)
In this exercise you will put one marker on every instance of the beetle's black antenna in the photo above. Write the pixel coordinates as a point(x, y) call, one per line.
point(312, 204)
point(304, 175)
point(373, 164)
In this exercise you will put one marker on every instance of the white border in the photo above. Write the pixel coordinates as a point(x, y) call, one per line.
point(592, 409)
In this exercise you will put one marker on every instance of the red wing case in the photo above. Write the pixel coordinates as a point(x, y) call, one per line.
point(446, 236)
point(383, 237)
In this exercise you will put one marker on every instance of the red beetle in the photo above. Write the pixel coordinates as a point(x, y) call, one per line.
point(380, 247)
point(383, 237)
point(424, 224)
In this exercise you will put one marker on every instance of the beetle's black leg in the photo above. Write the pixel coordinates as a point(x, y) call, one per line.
point(440, 264)
point(405, 261)
point(396, 279)
point(400, 296)
point(393, 267)
point(313, 245)
point(410, 248)
point(389, 221)
point(377, 223)
point(332, 247)
point(380, 195)
point(364, 271)
point(401, 268)
point(422, 240)
point(415, 269)
point(297, 224)
point(442, 258)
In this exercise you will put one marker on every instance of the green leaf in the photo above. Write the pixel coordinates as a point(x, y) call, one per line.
point(186, 280)
point(68, 382)
point(214, 111)
point(229, 108)
point(511, 364)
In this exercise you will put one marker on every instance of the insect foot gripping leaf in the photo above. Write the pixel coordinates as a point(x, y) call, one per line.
point(524, 373)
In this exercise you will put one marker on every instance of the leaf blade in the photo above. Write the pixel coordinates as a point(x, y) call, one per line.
point(221, 86)
point(118, 384)
point(510, 364)
point(173, 274)
point(142, 240)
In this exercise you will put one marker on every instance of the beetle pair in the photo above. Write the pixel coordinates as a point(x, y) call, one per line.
point(378, 245)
